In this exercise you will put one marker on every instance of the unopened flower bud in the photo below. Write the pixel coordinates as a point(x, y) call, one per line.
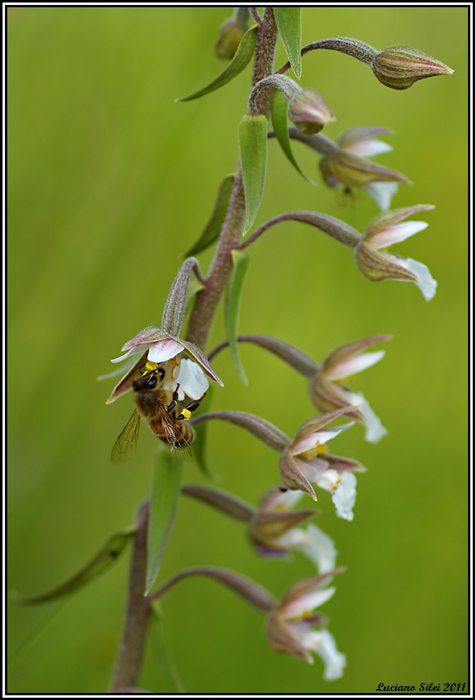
point(399, 66)
point(309, 111)
point(228, 39)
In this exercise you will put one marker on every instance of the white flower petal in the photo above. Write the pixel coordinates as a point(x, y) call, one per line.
point(367, 148)
point(323, 644)
point(320, 437)
point(164, 350)
point(395, 234)
point(427, 283)
point(345, 496)
point(381, 193)
point(131, 352)
point(192, 380)
point(353, 364)
point(375, 430)
point(307, 602)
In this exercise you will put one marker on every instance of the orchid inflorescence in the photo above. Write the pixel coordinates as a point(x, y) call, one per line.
point(171, 370)
point(275, 527)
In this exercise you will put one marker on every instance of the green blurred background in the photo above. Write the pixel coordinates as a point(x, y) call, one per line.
point(110, 181)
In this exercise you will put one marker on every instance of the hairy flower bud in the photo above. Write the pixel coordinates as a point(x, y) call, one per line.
point(228, 39)
point(309, 111)
point(399, 66)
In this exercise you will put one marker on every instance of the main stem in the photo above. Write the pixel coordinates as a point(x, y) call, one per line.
point(207, 300)
point(132, 647)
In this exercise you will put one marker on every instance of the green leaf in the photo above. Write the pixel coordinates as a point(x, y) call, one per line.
point(279, 121)
point(253, 149)
point(290, 29)
point(233, 300)
point(213, 228)
point(161, 653)
point(36, 634)
point(200, 443)
point(241, 58)
point(166, 481)
point(106, 556)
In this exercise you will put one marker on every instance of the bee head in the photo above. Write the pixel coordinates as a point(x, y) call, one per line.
point(151, 373)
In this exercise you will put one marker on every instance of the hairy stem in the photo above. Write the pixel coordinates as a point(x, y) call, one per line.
point(352, 47)
point(253, 593)
point(328, 224)
point(132, 645)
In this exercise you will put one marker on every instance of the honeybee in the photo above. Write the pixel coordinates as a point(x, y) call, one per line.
point(157, 406)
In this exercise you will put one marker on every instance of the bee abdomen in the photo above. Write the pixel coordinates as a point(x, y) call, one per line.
point(188, 435)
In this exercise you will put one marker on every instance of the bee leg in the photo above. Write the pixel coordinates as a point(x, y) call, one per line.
point(189, 409)
point(171, 407)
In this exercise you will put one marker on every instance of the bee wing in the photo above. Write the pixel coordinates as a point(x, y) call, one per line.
point(127, 440)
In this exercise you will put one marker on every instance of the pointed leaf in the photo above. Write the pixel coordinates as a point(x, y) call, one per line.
point(106, 556)
point(279, 121)
point(213, 228)
point(162, 653)
point(167, 473)
point(241, 58)
point(36, 634)
point(201, 440)
point(253, 149)
point(233, 300)
point(290, 29)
